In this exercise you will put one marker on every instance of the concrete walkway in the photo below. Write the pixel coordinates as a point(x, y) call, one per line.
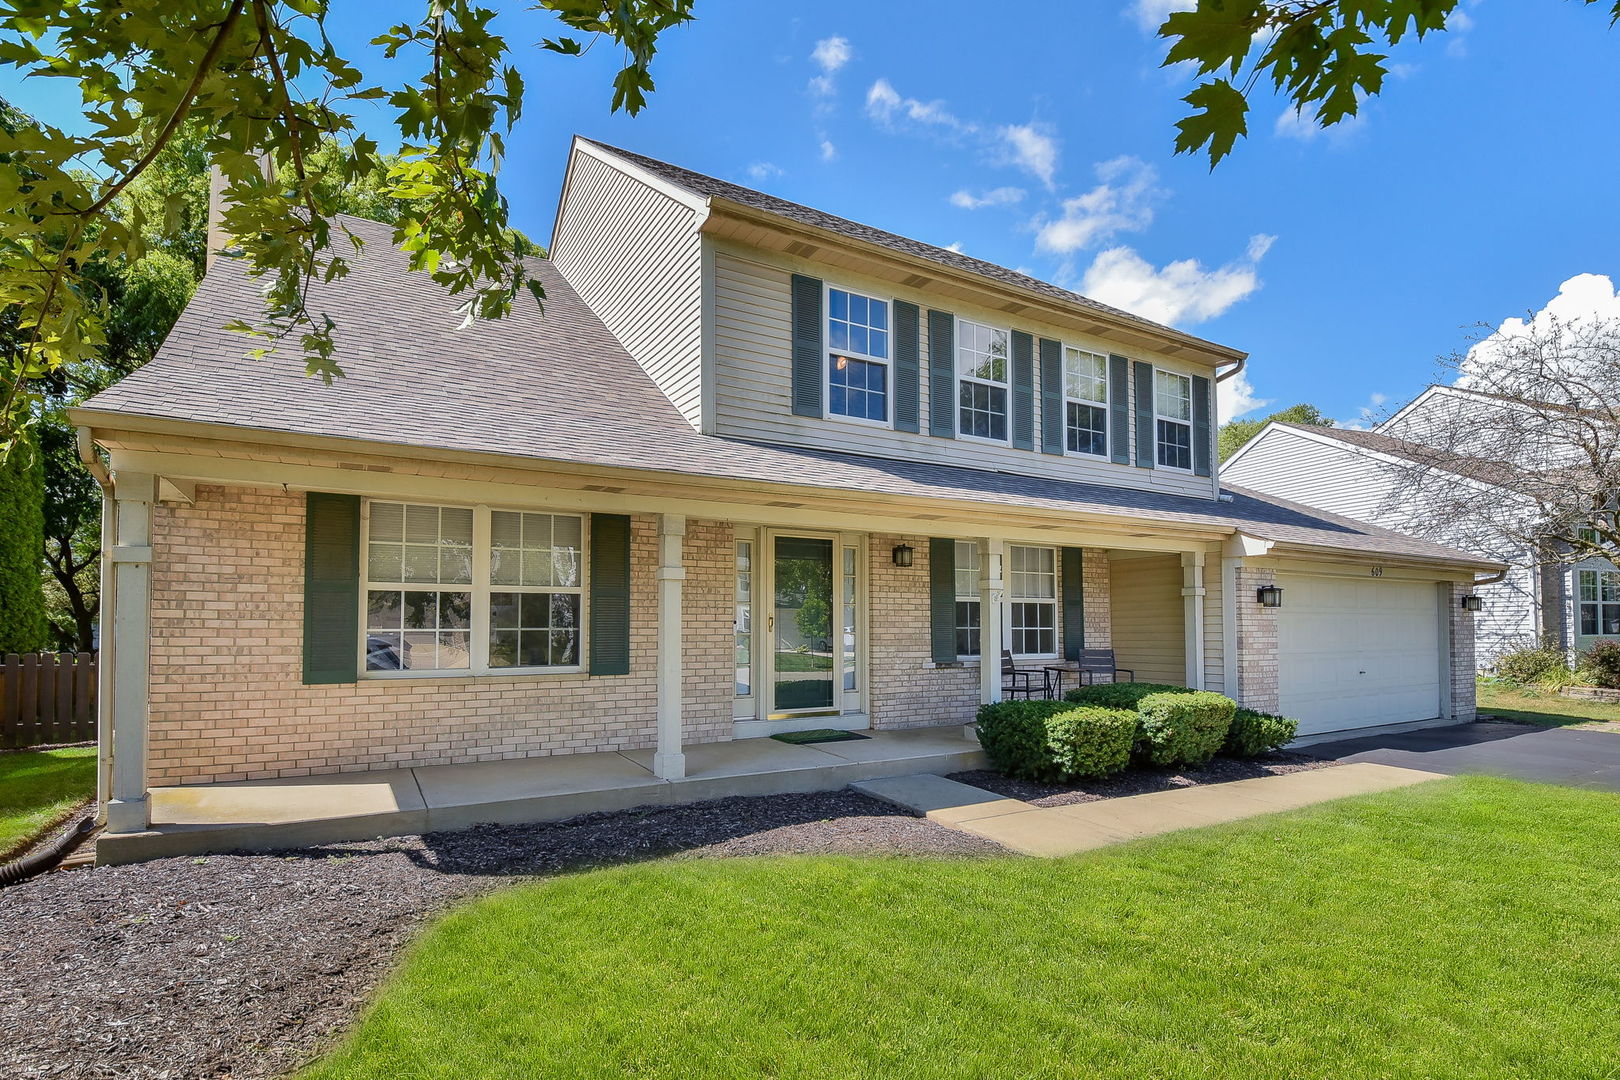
point(1067, 830)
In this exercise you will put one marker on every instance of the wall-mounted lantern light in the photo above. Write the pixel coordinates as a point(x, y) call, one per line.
point(902, 555)
point(1473, 603)
point(1269, 595)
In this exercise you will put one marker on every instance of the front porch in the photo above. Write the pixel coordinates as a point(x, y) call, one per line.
point(261, 815)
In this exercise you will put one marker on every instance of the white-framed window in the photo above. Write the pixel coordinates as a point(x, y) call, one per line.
point(857, 356)
point(1085, 401)
point(981, 370)
point(1172, 406)
point(742, 626)
point(1600, 603)
point(471, 590)
point(1032, 600)
point(967, 599)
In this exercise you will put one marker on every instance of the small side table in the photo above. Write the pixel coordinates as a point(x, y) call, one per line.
point(1053, 678)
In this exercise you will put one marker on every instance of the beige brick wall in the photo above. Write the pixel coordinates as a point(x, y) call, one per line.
point(1461, 631)
point(1256, 642)
point(228, 702)
point(1095, 576)
point(907, 689)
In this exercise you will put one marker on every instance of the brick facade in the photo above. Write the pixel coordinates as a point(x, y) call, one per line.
point(1094, 575)
point(228, 702)
point(1460, 634)
point(1256, 642)
point(907, 688)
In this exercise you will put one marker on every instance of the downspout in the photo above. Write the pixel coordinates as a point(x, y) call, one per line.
point(1491, 579)
point(1236, 369)
point(109, 539)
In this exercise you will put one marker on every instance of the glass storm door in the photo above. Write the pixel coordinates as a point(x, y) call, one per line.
point(805, 653)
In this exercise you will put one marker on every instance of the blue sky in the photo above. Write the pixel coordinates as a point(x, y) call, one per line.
point(1343, 261)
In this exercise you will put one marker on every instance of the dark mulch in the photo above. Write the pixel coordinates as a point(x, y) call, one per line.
point(244, 965)
point(1141, 781)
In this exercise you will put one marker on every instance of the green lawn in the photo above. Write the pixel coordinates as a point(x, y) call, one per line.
point(1463, 928)
point(1541, 706)
point(38, 788)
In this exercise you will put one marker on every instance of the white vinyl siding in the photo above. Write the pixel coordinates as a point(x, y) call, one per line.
point(1148, 618)
point(634, 255)
point(752, 381)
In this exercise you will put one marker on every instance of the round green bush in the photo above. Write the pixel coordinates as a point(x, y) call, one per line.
point(1120, 695)
point(1090, 740)
point(1183, 729)
point(1013, 734)
point(1254, 733)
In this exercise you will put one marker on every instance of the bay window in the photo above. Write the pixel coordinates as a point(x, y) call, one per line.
point(461, 590)
point(858, 356)
point(1085, 392)
point(981, 368)
point(1172, 404)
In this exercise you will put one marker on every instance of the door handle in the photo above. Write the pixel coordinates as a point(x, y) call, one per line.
point(770, 622)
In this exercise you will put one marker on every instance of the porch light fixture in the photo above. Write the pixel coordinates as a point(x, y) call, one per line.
point(1269, 595)
point(902, 555)
point(1473, 603)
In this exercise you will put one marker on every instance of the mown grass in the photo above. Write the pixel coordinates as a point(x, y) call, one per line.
point(1534, 706)
point(1462, 928)
point(38, 788)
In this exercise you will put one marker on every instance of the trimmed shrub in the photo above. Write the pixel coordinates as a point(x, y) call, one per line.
point(1183, 729)
point(1013, 734)
point(1090, 740)
point(1600, 665)
point(1120, 695)
point(1255, 733)
point(1529, 665)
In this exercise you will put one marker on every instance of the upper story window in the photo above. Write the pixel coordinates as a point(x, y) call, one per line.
point(858, 356)
point(1172, 404)
point(1085, 391)
point(981, 367)
point(453, 589)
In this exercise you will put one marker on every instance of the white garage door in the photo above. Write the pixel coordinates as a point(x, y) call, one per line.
point(1357, 652)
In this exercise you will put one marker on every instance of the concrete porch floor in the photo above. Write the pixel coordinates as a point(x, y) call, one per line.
point(260, 815)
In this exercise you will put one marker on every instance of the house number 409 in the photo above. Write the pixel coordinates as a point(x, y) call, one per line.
point(1378, 571)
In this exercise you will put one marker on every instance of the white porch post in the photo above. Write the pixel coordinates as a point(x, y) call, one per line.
point(992, 592)
point(129, 571)
point(1192, 599)
point(669, 763)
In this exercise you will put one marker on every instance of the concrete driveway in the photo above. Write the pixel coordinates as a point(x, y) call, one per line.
point(1573, 756)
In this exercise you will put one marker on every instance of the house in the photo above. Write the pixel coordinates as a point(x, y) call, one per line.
point(1358, 474)
point(755, 468)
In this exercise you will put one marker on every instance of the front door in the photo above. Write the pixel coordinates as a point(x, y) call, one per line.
point(803, 649)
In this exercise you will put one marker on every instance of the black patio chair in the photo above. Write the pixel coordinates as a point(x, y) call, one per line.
point(1015, 682)
point(1094, 662)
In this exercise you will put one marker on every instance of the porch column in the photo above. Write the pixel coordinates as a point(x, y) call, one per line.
point(127, 578)
point(1192, 600)
point(669, 763)
point(992, 592)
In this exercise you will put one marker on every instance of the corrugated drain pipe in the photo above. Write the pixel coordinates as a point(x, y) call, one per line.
point(48, 856)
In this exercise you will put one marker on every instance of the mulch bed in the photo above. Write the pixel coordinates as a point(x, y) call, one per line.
point(246, 965)
point(1142, 781)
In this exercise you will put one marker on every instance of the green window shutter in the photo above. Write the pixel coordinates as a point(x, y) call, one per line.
point(1074, 603)
point(1145, 442)
point(610, 594)
point(942, 599)
point(907, 365)
point(1023, 391)
point(807, 358)
point(331, 588)
point(1201, 425)
point(942, 374)
point(1052, 419)
point(1119, 410)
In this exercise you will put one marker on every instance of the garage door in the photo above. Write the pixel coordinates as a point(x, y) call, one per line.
point(1357, 652)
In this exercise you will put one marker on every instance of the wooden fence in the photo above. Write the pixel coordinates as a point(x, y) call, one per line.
point(47, 698)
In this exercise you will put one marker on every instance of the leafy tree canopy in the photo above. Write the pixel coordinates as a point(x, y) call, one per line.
point(1322, 56)
point(1234, 433)
point(272, 101)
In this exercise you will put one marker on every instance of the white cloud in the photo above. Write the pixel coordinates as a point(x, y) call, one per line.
point(1181, 293)
point(1123, 202)
point(1582, 298)
point(955, 245)
point(1368, 415)
point(830, 54)
point(1001, 196)
point(885, 105)
point(1458, 24)
point(1294, 124)
point(1235, 397)
point(1031, 148)
point(828, 150)
point(1150, 14)
point(763, 170)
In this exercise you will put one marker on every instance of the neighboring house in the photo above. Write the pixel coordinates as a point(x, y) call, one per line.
point(755, 468)
point(1358, 474)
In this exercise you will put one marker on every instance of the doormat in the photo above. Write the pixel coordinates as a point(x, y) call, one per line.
point(799, 738)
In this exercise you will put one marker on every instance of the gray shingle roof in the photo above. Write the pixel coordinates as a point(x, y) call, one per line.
point(707, 186)
point(561, 388)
